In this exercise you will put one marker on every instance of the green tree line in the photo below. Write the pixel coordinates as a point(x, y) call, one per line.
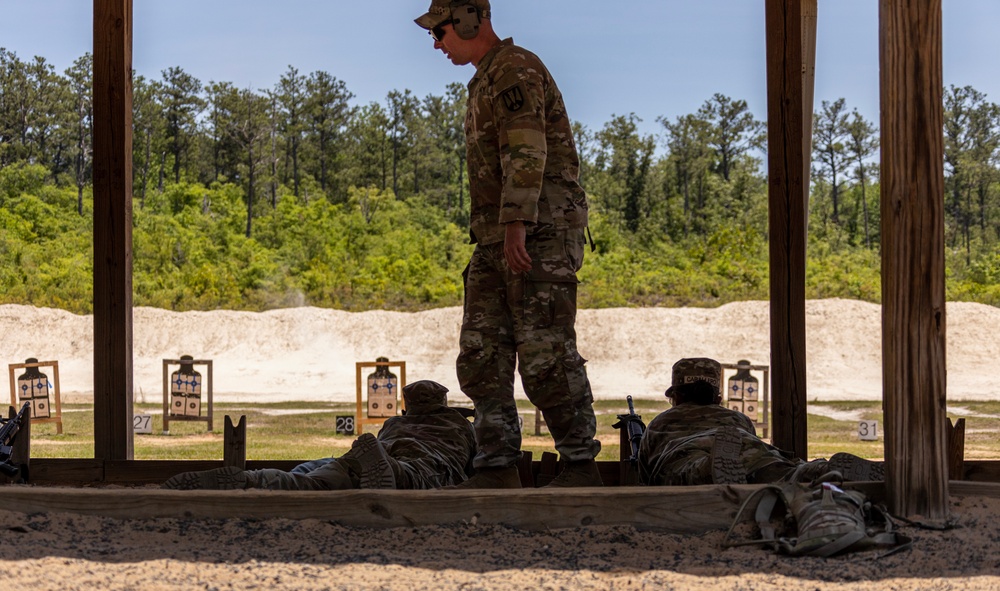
point(298, 195)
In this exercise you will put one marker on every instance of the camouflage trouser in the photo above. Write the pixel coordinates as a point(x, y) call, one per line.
point(326, 474)
point(528, 318)
point(333, 474)
point(690, 460)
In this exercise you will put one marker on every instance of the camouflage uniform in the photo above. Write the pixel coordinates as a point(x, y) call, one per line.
point(677, 447)
point(523, 166)
point(699, 442)
point(430, 446)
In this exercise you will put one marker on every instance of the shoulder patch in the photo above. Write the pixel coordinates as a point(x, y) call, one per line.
point(514, 98)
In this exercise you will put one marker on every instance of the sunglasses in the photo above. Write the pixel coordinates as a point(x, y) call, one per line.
point(438, 31)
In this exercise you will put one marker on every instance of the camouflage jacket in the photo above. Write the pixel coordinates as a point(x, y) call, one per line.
point(523, 163)
point(685, 433)
point(435, 437)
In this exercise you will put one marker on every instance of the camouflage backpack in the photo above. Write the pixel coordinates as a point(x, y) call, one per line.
point(817, 519)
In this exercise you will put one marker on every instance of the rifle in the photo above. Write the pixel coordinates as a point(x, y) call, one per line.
point(7, 433)
point(634, 428)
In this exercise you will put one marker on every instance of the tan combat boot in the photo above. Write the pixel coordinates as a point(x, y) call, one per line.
point(492, 478)
point(368, 460)
point(854, 468)
point(581, 473)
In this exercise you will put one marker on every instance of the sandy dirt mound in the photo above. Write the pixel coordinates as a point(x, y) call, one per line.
point(76, 553)
point(309, 353)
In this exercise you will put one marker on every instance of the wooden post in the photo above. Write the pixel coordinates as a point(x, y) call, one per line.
point(913, 298)
point(234, 440)
point(956, 450)
point(791, 54)
point(524, 470)
point(548, 468)
point(113, 229)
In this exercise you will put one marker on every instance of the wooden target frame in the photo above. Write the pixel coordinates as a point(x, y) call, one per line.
point(360, 420)
point(56, 416)
point(167, 417)
point(765, 396)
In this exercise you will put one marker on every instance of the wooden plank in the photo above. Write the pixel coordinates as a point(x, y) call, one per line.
point(956, 449)
point(974, 489)
point(791, 39)
point(693, 509)
point(524, 470)
point(113, 229)
point(234, 440)
point(66, 471)
point(548, 468)
point(913, 270)
point(981, 470)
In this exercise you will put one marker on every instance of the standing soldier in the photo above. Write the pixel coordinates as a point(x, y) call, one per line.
point(528, 218)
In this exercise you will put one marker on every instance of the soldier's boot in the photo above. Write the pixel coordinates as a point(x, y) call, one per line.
point(491, 478)
point(575, 474)
point(727, 465)
point(853, 468)
point(368, 460)
point(225, 478)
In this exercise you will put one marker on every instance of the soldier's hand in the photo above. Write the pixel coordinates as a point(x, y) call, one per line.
point(513, 248)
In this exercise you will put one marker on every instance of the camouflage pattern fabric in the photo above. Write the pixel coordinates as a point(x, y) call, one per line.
point(676, 448)
point(522, 159)
point(441, 10)
point(528, 318)
point(697, 369)
point(428, 447)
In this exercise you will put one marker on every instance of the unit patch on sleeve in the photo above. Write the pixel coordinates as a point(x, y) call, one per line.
point(514, 98)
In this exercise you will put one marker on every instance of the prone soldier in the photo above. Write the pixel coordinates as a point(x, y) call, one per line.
point(698, 441)
point(430, 446)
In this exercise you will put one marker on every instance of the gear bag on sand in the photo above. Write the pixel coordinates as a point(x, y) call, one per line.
point(817, 519)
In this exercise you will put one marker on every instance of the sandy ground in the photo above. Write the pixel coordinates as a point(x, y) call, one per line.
point(70, 553)
point(310, 353)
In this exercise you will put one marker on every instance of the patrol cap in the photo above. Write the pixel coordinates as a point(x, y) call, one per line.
point(440, 11)
point(424, 393)
point(696, 369)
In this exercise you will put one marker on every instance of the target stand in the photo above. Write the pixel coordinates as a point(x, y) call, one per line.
point(383, 390)
point(34, 387)
point(182, 391)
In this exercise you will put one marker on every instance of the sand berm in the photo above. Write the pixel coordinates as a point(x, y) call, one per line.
point(310, 353)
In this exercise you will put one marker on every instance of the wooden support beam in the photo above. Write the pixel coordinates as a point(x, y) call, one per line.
point(913, 296)
point(694, 509)
point(113, 229)
point(791, 53)
point(234, 439)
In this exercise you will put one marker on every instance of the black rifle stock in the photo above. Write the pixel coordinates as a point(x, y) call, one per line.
point(634, 427)
point(7, 433)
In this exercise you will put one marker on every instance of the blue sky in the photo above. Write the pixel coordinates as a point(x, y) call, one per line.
point(660, 58)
